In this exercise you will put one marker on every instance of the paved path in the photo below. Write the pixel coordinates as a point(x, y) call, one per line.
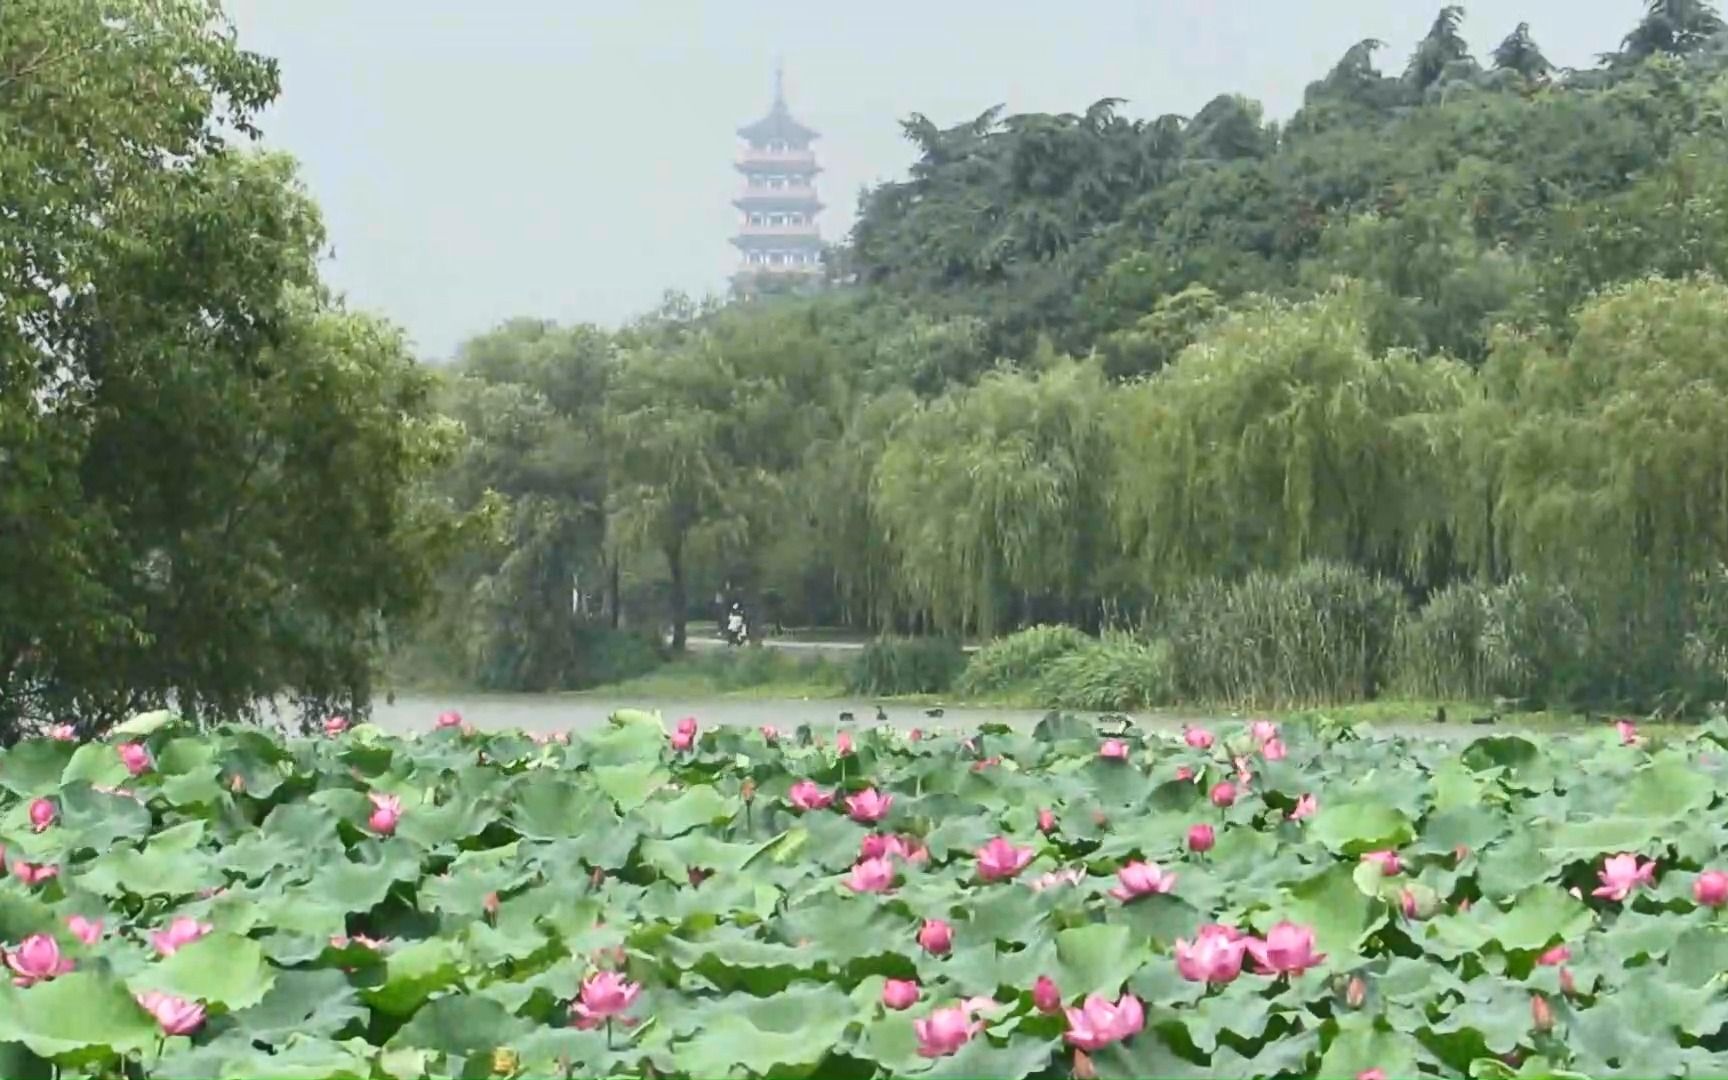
point(830, 649)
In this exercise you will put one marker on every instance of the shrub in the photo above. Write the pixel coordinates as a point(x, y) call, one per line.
point(1520, 639)
point(604, 655)
point(1117, 672)
point(925, 665)
point(1320, 634)
point(1018, 659)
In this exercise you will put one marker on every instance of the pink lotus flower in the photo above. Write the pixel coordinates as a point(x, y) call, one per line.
point(1264, 731)
point(1099, 1022)
point(134, 756)
point(1628, 732)
point(1114, 749)
point(1408, 906)
point(868, 806)
point(1623, 873)
point(684, 736)
point(1273, 749)
point(876, 846)
point(1567, 985)
point(182, 932)
point(1046, 820)
point(604, 995)
point(1244, 775)
point(1287, 949)
point(871, 876)
point(1559, 954)
point(1200, 838)
point(1183, 772)
point(450, 719)
point(1214, 956)
point(1223, 794)
point(915, 734)
point(936, 936)
point(1142, 879)
point(805, 795)
point(89, 931)
point(386, 812)
point(900, 993)
point(342, 941)
point(176, 1015)
point(1711, 888)
point(1306, 807)
point(843, 743)
point(63, 733)
point(42, 814)
point(771, 733)
point(1388, 861)
point(1045, 995)
point(36, 959)
point(335, 726)
point(945, 1031)
point(34, 873)
point(1371, 1074)
point(1053, 878)
point(1198, 738)
point(1000, 860)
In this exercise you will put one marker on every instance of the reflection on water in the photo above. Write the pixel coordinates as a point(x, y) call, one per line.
point(560, 712)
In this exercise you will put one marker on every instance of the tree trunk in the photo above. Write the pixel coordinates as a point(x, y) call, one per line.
point(680, 603)
point(616, 602)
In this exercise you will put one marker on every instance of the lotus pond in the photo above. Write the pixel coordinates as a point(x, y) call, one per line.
point(645, 900)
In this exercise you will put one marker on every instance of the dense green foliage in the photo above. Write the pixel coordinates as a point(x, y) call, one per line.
point(318, 943)
point(1445, 326)
point(907, 666)
point(207, 465)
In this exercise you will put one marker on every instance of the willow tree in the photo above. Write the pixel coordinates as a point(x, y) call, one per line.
point(1614, 458)
point(1278, 437)
point(997, 491)
point(1610, 465)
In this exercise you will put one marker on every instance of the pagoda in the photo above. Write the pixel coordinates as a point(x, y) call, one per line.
point(778, 242)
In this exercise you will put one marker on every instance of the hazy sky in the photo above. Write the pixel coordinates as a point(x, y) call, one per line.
point(571, 159)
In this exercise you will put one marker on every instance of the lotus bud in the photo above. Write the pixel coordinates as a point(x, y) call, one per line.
point(1541, 1013)
point(1356, 993)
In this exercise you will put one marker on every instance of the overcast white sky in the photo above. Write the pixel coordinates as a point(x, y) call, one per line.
point(571, 159)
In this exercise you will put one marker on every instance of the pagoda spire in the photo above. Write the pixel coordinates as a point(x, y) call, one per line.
point(779, 82)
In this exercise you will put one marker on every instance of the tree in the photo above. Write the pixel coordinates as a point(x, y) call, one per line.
point(1607, 460)
point(1671, 27)
point(994, 493)
point(1279, 437)
point(1442, 53)
point(216, 497)
point(1519, 52)
point(707, 421)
